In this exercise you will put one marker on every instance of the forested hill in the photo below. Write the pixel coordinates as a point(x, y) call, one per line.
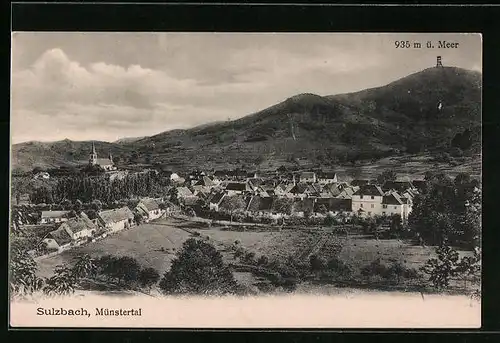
point(423, 111)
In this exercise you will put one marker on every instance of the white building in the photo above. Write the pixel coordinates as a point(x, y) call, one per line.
point(367, 201)
point(307, 177)
point(48, 217)
point(117, 219)
point(326, 178)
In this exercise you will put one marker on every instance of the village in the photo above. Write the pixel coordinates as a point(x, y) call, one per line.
point(268, 197)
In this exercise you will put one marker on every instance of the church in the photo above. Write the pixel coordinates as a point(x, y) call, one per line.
point(105, 163)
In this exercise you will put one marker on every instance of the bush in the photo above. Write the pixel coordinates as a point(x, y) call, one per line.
point(262, 261)
point(375, 268)
point(316, 263)
point(339, 267)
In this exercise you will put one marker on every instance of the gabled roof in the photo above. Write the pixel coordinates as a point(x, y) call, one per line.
point(399, 186)
point(60, 236)
point(359, 182)
point(184, 192)
point(205, 181)
point(104, 162)
point(392, 199)
point(54, 214)
point(307, 175)
point(216, 197)
point(299, 188)
point(238, 186)
point(116, 215)
point(370, 190)
point(259, 204)
point(150, 204)
point(331, 189)
point(327, 175)
point(80, 223)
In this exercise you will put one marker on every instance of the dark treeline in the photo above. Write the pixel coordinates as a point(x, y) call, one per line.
point(89, 188)
point(448, 211)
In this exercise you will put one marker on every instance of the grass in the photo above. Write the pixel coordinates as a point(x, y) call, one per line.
point(145, 241)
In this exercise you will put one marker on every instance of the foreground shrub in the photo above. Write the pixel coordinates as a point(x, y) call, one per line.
point(198, 269)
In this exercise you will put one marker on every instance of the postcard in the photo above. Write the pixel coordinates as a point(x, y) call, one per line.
point(245, 180)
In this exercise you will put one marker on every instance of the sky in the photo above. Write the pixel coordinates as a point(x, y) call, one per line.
point(106, 86)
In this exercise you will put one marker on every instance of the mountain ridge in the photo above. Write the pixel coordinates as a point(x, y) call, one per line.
point(385, 119)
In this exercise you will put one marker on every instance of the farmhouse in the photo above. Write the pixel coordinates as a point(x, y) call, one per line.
point(205, 181)
point(367, 201)
point(330, 191)
point(260, 205)
point(393, 203)
point(359, 182)
point(399, 186)
point(325, 178)
point(57, 240)
point(117, 219)
point(215, 200)
point(53, 217)
point(233, 188)
point(79, 227)
point(149, 208)
point(332, 205)
point(184, 192)
point(307, 177)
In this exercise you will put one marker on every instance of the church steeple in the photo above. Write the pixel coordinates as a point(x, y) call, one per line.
point(93, 156)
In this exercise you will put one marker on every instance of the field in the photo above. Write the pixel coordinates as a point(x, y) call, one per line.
point(145, 243)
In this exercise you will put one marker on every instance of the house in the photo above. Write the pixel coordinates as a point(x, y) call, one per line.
point(367, 201)
point(174, 177)
point(260, 206)
point(332, 205)
point(330, 190)
point(283, 189)
point(347, 192)
point(393, 203)
point(215, 199)
point(149, 209)
point(420, 185)
point(205, 181)
point(184, 192)
point(325, 178)
point(233, 188)
point(53, 217)
point(399, 186)
point(307, 177)
point(42, 175)
point(359, 183)
point(57, 240)
point(117, 219)
point(79, 227)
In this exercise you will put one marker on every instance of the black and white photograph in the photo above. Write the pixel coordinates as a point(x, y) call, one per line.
point(182, 179)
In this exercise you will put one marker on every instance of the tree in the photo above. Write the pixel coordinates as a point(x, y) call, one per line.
point(77, 207)
point(173, 196)
point(442, 269)
point(148, 277)
point(316, 263)
point(23, 268)
point(61, 283)
point(84, 267)
point(263, 260)
point(198, 269)
point(96, 205)
point(138, 218)
point(387, 175)
point(127, 269)
point(232, 204)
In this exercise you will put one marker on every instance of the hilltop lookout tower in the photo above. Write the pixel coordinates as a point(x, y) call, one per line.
point(439, 64)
